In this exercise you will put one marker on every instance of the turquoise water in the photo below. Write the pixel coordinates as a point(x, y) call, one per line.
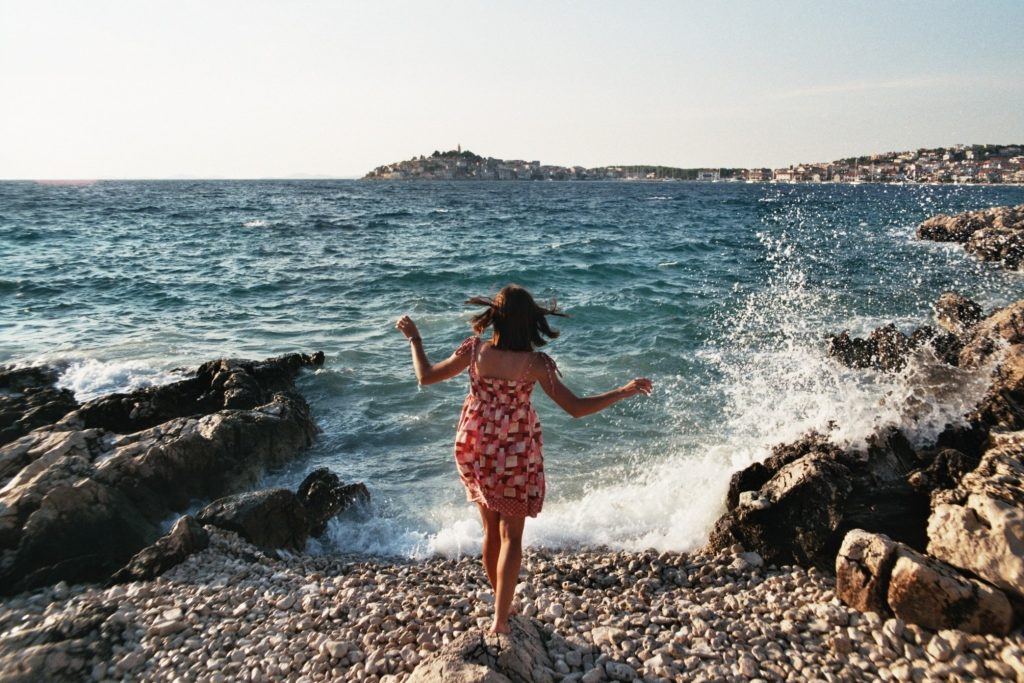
point(721, 293)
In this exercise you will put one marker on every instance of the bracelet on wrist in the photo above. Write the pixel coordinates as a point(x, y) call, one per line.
point(417, 338)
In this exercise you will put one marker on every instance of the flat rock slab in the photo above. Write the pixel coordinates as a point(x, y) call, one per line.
point(475, 657)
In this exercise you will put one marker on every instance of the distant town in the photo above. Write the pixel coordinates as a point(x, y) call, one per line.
point(958, 164)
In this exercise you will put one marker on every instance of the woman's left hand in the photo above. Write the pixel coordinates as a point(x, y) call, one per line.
point(407, 327)
point(640, 385)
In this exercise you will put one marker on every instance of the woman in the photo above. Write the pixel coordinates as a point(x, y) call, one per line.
point(498, 441)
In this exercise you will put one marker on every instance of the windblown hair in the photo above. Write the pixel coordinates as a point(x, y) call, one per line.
point(519, 323)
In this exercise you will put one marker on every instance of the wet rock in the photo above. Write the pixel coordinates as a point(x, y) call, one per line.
point(888, 349)
point(995, 234)
point(956, 313)
point(806, 500)
point(946, 228)
point(30, 399)
point(271, 518)
point(520, 656)
point(1004, 246)
point(325, 495)
point(819, 492)
point(978, 526)
point(1002, 407)
point(1004, 327)
point(215, 385)
point(184, 538)
point(94, 494)
point(944, 471)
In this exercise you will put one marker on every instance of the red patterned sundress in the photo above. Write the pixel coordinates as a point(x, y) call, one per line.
point(498, 442)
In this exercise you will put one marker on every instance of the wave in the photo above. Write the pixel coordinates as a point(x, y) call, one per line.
point(775, 383)
point(91, 378)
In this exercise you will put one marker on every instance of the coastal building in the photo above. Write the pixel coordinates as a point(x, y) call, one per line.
point(959, 164)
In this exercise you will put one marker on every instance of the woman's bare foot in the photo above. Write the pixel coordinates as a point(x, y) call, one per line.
point(496, 630)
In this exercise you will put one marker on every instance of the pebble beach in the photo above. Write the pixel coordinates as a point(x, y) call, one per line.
point(232, 612)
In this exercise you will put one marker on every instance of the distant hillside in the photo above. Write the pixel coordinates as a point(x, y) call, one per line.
point(959, 164)
point(460, 164)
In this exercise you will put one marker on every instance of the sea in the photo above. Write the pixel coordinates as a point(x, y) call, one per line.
point(722, 293)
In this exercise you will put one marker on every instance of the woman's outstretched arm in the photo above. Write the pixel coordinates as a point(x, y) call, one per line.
point(579, 406)
point(427, 372)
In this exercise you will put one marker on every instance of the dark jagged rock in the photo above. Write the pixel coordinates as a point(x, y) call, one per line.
point(995, 234)
point(216, 385)
point(271, 518)
point(97, 484)
point(793, 516)
point(956, 313)
point(889, 349)
point(816, 492)
point(325, 495)
point(944, 471)
point(30, 399)
point(186, 537)
point(475, 657)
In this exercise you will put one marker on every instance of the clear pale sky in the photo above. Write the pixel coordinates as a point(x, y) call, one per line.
point(104, 89)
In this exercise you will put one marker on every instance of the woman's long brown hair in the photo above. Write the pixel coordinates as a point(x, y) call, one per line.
point(519, 323)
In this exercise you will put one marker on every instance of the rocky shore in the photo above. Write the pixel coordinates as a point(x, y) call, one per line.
point(233, 612)
point(995, 234)
point(891, 562)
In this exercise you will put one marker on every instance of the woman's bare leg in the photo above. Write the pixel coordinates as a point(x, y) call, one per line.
point(492, 544)
point(510, 559)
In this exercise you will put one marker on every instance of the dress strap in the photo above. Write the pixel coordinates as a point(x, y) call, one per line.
point(551, 367)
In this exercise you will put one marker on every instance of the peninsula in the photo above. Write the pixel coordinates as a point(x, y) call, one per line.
point(986, 164)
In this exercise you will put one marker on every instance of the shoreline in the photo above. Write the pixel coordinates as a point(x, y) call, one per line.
point(232, 612)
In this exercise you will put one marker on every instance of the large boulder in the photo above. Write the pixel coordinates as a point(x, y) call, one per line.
point(476, 657)
point(187, 536)
point(930, 593)
point(978, 526)
point(90, 493)
point(797, 505)
point(863, 567)
point(271, 518)
point(875, 573)
point(325, 495)
point(794, 514)
point(29, 398)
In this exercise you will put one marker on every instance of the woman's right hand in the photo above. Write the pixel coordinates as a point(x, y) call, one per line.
point(640, 385)
point(407, 327)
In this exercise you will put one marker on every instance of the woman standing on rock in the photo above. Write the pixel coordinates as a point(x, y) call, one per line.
point(498, 441)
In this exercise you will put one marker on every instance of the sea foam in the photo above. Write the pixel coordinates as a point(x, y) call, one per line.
point(90, 378)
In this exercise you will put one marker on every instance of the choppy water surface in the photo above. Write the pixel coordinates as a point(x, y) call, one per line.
point(721, 293)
